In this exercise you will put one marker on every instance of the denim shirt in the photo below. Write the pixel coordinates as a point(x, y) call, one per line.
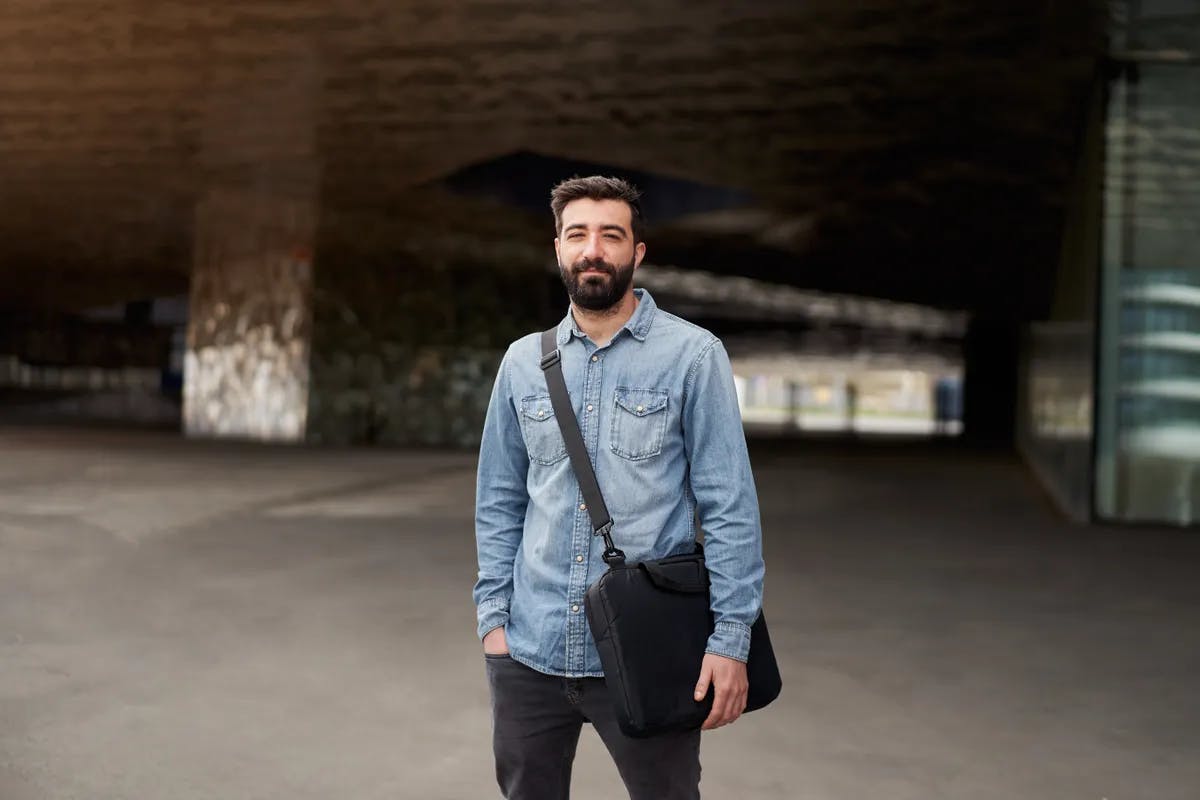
point(659, 415)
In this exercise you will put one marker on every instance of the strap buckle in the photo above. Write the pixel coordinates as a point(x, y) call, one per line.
point(611, 554)
point(550, 359)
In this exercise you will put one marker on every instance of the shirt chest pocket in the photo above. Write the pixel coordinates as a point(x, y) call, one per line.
point(639, 422)
point(543, 440)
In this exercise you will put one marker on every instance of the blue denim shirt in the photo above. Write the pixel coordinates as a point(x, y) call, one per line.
point(659, 415)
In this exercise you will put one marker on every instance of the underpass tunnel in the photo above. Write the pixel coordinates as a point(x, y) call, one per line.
point(929, 220)
point(259, 263)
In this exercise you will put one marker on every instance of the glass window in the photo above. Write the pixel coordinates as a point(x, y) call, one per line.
point(1148, 426)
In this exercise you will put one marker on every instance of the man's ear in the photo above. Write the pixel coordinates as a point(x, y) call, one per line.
point(557, 254)
point(639, 252)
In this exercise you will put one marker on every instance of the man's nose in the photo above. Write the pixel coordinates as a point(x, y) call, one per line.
point(592, 248)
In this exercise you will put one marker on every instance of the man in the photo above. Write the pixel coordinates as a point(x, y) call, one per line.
point(655, 400)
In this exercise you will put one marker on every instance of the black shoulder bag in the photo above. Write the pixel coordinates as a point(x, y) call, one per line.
point(651, 619)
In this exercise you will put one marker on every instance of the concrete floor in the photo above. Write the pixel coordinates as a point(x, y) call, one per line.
point(195, 620)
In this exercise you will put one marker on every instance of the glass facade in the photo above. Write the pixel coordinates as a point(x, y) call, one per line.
point(1054, 428)
point(1148, 422)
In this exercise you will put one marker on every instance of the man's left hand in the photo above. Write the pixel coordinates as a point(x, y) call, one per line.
point(730, 685)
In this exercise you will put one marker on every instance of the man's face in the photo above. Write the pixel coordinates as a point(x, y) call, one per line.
point(596, 252)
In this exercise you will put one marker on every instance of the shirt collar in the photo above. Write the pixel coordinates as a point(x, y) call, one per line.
point(638, 324)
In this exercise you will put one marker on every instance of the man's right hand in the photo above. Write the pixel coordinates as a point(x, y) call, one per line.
point(494, 643)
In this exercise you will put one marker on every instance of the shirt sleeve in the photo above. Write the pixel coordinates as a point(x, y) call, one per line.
point(726, 499)
point(501, 498)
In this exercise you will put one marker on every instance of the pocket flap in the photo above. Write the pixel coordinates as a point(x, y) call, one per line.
point(641, 402)
point(537, 407)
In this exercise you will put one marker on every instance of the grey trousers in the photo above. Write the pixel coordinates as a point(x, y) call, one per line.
point(536, 719)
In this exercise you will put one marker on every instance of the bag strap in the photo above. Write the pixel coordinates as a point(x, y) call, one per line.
point(560, 399)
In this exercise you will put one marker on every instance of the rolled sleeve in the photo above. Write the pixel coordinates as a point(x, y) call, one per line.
point(491, 614)
point(730, 639)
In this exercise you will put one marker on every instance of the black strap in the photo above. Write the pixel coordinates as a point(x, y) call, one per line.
point(560, 399)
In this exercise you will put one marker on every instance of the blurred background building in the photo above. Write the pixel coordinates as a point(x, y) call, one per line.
point(312, 222)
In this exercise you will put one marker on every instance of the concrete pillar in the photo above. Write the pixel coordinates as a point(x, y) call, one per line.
point(246, 368)
point(246, 371)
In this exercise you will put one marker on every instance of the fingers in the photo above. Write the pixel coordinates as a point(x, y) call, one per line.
point(717, 717)
point(737, 704)
point(728, 705)
point(702, 685)
point(706, 679)
point(721, 697)
point(729, 700)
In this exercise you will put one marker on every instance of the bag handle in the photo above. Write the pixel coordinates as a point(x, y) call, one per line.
point(560, 399)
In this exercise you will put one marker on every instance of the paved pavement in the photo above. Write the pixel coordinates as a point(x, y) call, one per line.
point(198, 620)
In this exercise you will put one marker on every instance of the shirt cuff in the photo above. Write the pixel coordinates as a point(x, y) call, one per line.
point(730, 639)
point(491, 614)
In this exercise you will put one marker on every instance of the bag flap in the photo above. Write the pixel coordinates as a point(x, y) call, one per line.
point(686, 575)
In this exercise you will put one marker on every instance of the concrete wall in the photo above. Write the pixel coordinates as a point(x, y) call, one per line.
point(416, 297)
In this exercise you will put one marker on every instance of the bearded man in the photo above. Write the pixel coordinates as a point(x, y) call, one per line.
point(655, 399)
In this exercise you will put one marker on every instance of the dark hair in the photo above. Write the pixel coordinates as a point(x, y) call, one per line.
point(597, 187)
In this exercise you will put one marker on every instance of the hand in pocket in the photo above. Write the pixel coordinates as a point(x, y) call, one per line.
point(494, 643)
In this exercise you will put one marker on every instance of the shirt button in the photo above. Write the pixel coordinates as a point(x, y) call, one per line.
point(579, 559)
point(575, 609)
point(589, 407)
point(583, 506)
point(639, 408)
point(595, 358)
point(541, 413)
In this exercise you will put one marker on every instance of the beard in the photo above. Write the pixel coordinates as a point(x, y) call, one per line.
point(596, 292)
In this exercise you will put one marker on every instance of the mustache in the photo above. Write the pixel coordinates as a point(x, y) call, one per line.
point(598, 264)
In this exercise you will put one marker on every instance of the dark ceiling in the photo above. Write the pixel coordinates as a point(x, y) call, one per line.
point(920, 151)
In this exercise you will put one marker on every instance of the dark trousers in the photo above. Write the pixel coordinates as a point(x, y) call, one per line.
point(536, 720)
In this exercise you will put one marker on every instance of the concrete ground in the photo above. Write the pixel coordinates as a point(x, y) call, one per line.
point(195, 620)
